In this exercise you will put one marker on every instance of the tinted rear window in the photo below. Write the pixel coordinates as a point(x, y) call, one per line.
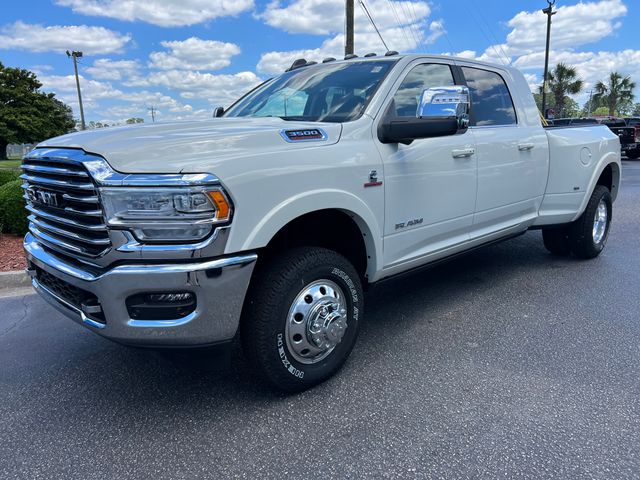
point(584, 121)
point(491, 102)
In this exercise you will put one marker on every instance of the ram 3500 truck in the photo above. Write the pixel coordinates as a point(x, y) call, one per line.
point(268, 223)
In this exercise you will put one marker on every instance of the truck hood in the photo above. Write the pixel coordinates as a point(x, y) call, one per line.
point(196, 146)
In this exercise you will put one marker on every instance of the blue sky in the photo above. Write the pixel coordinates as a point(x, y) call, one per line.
point(185, 57)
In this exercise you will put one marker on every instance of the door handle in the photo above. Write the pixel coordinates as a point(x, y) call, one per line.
point(523, 147)
point(463, 152)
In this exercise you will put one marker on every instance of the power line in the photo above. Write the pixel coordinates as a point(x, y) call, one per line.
point(407, 15)
point(414, 20)
point(484, 34)
point(364, 7)
point(482, 17)
point(398, 21)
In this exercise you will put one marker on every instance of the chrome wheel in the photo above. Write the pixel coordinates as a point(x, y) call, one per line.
point(316, 322)
point(600, 222)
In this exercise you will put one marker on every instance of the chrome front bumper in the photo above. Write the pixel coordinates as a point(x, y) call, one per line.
point(220, 286)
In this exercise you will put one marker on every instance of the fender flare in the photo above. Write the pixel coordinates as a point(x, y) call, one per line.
point(315, 200)
point(608, 159)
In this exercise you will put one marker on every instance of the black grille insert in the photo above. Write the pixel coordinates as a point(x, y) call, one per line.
point(69, 293)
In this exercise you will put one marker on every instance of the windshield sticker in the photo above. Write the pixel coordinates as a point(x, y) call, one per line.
point(376, 69)
point(306, 135)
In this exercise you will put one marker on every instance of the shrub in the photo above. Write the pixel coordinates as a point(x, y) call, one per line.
point(13, 216)
point(7, 176)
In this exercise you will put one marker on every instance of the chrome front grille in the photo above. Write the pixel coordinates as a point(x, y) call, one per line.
point(64, 207)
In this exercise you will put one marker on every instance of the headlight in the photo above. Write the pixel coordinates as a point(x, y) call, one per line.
point(166, 214)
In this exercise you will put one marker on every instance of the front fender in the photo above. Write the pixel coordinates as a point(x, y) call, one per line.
point(308, 202)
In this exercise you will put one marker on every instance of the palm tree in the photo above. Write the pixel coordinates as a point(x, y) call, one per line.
point(562, 81)
point(615, 94)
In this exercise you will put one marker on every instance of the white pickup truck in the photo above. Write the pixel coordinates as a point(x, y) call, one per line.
point(267, 224)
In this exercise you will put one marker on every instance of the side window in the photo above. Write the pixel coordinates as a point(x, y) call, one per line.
point(491, 102)
point(421, 77)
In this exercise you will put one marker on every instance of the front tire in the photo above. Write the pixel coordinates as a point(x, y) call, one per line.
point(301, 317)
point(588, 234)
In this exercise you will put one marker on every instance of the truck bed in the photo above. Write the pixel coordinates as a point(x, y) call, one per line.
point(574, 155)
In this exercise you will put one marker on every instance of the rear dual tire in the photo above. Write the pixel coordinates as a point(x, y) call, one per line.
point(587, 236)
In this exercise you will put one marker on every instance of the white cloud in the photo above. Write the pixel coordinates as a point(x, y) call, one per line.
point(40, 69)
point(597, 65)
point(572, 27)
point(194, 54)
point(324, 17)
point(157, 100)
point(107, 69)
point(320, 17)
point(536, 60)
point(533, 81)
point(404, 26)
point(137, 104)
point(165, 13)
point(215, 89)
point(64, 86)
point(59, 38)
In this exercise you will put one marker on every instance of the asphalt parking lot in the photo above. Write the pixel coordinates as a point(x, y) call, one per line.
point(506, 363)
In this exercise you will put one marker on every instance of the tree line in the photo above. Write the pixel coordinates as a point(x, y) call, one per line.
point(613, 96)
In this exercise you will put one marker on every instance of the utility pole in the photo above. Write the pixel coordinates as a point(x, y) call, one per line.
point(348, 45)
point(153, 113)
point(549, 13)
point(76, 55)
point(590, 102)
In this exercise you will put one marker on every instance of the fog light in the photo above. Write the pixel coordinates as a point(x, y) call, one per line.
point(161, 305)
point(170, 297)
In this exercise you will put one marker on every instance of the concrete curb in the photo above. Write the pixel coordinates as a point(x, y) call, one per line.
point(13, 280)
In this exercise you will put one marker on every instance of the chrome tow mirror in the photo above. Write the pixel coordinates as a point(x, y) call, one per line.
point(445, 103)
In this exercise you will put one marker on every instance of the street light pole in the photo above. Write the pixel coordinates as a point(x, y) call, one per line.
point(549, 13)
point(75, 55)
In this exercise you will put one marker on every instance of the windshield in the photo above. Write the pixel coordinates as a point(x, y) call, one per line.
point(333, 92)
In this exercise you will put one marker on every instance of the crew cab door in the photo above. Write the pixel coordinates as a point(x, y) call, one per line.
point(430, 185)
point(513, 157)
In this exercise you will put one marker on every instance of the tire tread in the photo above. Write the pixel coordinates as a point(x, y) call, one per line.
point(271, 281)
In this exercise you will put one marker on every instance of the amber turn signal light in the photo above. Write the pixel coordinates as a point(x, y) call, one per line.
point(223, 209)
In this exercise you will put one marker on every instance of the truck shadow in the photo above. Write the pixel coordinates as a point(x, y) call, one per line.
point(137, 383)
point(393, 308)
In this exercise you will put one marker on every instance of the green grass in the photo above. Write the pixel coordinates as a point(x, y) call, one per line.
point(11, 164)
